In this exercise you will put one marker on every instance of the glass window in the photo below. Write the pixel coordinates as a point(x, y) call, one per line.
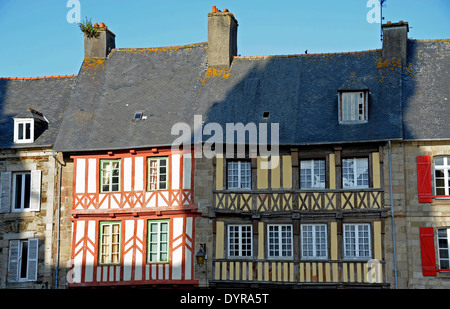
point(23, 131)
point(239, 175)
point(110, 175)
point(239, 240)
point(158, 173)
point(442, 175)
point(443, 248)
point(109, 242)
point(353, 106)
point(21, 191)
point(357, 242)
point(280, 240)
point(158, 241)
point(312, 174)
point(314, 241)
point(355, 173)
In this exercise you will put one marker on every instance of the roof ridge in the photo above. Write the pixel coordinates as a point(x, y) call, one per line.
point(157, 49)
point(306, 55)
point(429, 40)
point(39, 77)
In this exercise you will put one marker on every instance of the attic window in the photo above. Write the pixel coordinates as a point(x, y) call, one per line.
point(353, 107)
point(23, 130)
point(353, 101)
point(137, 116)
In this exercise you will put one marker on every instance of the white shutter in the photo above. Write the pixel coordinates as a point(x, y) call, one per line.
point(5, 192)
point(35, 199)
point(32, 266)
point(13, 263)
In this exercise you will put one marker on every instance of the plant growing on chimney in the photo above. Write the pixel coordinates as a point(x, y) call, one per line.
point(88, 28)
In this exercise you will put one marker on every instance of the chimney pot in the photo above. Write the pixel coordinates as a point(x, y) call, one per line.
point(214, 9)
point(102, 25)
point(225, 10)
point(96, 25)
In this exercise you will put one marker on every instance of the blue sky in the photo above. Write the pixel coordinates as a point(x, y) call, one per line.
point(37, 40)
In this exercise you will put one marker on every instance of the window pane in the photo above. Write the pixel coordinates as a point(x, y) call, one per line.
point(312, 174)
point(355, 173)
point(158, 242)
point(239, 174)
point(27, 191)
point(27, 130)
point(18, 195)
point(24, 257)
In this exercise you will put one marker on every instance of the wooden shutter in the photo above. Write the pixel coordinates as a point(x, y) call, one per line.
point(427, 250)
point(5, 192)
point(32, 266)
point(35, 199)
point(13, 262)
point(424, 179)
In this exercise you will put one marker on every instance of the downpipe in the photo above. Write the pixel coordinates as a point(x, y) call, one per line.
point(392, 216)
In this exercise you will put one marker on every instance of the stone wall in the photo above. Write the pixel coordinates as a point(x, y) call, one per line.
point(409, 215)
point(203, 195)
point(25, 225)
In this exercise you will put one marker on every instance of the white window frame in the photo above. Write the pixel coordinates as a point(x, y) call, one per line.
point(445, 166)
point(443, 235)
point(314, 240)
point(34, 191)
point(358, 241)
point(23, 122)
point(159, 174)
point(275, 240)
point(237, 238)
point(242, 166)
point(16, 260)
point(356, 166)
point(353, 107)
point(314, 179)
point(159, 242)
point(109, 170)
point(23, 197)
point(109, 253)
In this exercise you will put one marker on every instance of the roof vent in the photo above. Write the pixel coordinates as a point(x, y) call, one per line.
point(266, 115)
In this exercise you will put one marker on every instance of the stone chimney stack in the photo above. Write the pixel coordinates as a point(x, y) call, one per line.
point(395, 40)
point(222, 38)
point(100, 46)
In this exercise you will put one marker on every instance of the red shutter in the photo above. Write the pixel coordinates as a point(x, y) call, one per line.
point(427, 250)
point(424, 179)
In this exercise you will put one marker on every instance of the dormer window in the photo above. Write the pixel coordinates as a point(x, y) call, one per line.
point(353, 101)
point(23, 130)
point(353, 107)
point(28, 126)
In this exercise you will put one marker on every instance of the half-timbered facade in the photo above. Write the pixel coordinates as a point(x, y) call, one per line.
point(133, 218)
point(316, 218)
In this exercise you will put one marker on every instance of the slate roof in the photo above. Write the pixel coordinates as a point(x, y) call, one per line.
point(426, 90)
point(48, 95)
point(171, 85)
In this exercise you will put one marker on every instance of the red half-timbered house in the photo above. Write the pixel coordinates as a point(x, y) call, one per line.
point(133, 218)
point(132, 207)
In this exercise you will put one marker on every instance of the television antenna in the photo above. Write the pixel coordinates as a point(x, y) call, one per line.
point(381, 17)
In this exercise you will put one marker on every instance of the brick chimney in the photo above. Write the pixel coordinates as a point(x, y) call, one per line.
point(222, 38)
point(395, 40)
point(100, 46)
